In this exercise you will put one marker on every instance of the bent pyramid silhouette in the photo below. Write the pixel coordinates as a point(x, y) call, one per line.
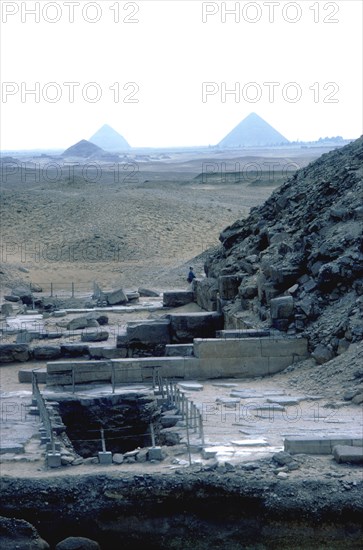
point(110, 140)
point(253, 131)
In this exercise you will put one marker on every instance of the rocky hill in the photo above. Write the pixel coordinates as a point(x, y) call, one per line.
point(296, 262)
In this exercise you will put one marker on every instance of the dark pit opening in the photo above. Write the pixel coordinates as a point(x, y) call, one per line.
point(125, 420)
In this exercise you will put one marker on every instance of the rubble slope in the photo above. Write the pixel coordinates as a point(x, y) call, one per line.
point(305, 244)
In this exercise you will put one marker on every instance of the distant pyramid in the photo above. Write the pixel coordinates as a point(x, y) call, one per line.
point(83, 149)
point(87, 150)
point(253, 131)
point(107, 138)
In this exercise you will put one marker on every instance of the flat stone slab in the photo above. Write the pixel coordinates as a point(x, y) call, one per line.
point(252, 394)
point(190, 386)
point(246, 395)
point(178, 350)
point(211, 452)
point(348, 453)
point(250, 442)
point(224, 385)
point(10, 447)
point(243, 333)
point(285, 400)
point(25, 376)
point(227, 401)
point(265, 407)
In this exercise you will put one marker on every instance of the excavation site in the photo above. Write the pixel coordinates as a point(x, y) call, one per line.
point(181, 356)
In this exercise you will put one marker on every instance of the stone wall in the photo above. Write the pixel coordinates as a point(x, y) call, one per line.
point(213, 358)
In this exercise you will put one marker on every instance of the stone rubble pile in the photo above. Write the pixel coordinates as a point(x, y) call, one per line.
point(296, 262)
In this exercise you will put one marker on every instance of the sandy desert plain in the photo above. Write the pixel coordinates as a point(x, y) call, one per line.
point(138, 222)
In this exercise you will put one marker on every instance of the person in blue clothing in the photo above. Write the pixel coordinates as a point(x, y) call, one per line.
point(191, 275)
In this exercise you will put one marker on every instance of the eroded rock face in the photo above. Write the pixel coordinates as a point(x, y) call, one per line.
point(18, 533)
point(13, 352)
point(303, 247)
point(78, 543)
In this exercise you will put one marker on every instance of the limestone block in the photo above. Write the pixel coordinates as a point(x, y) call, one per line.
point(53, 459)
point(115, 297)
point(206, 292)
point(148, 332)
point(179, 350)
point(283, 347)
point(106, 352)
point(314, 446)
point(228, 286)
point(46, 352)
point(155, 453)
point(77, 323)
point(348, 453)
point(177, 298)
point(74, 350)
point(25, 376)
point(13, 352)
point(282, 308)
point(95, 336)
point(146, 292)
point(105, 457)
point(185, 327)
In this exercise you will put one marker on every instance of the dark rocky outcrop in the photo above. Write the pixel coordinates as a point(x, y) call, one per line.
point(299, 256)
point(18, 534)
point(77, 543)
point(13, 352)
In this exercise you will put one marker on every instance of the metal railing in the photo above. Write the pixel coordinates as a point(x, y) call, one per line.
point(43, 411)
point(188, 410)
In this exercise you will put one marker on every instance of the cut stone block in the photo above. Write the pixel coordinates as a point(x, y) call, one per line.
point(190, 386)
point(317, 445)
point(53, 459)
point(95, 336)
point(46, 352)
point(56, 446)
point(177, 298)
point(105, 457)
point(25, 376)
point(348, 453)
point(146, 292)
point(228, 286)
point(284, 401)
point(179, 350)
point(13, 352)
point(60, 313)
point(107, 352)
point(115, 297)
point(250, 442)
point(155, 453)
point(206, 291)
point(282, 308)
point(77, 323)
point(243, 333)
point(187, 326)
point(74, 350)
point(13, 448)
point(209, 452)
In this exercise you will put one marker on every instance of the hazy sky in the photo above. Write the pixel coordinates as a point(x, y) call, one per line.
point(174, 73)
